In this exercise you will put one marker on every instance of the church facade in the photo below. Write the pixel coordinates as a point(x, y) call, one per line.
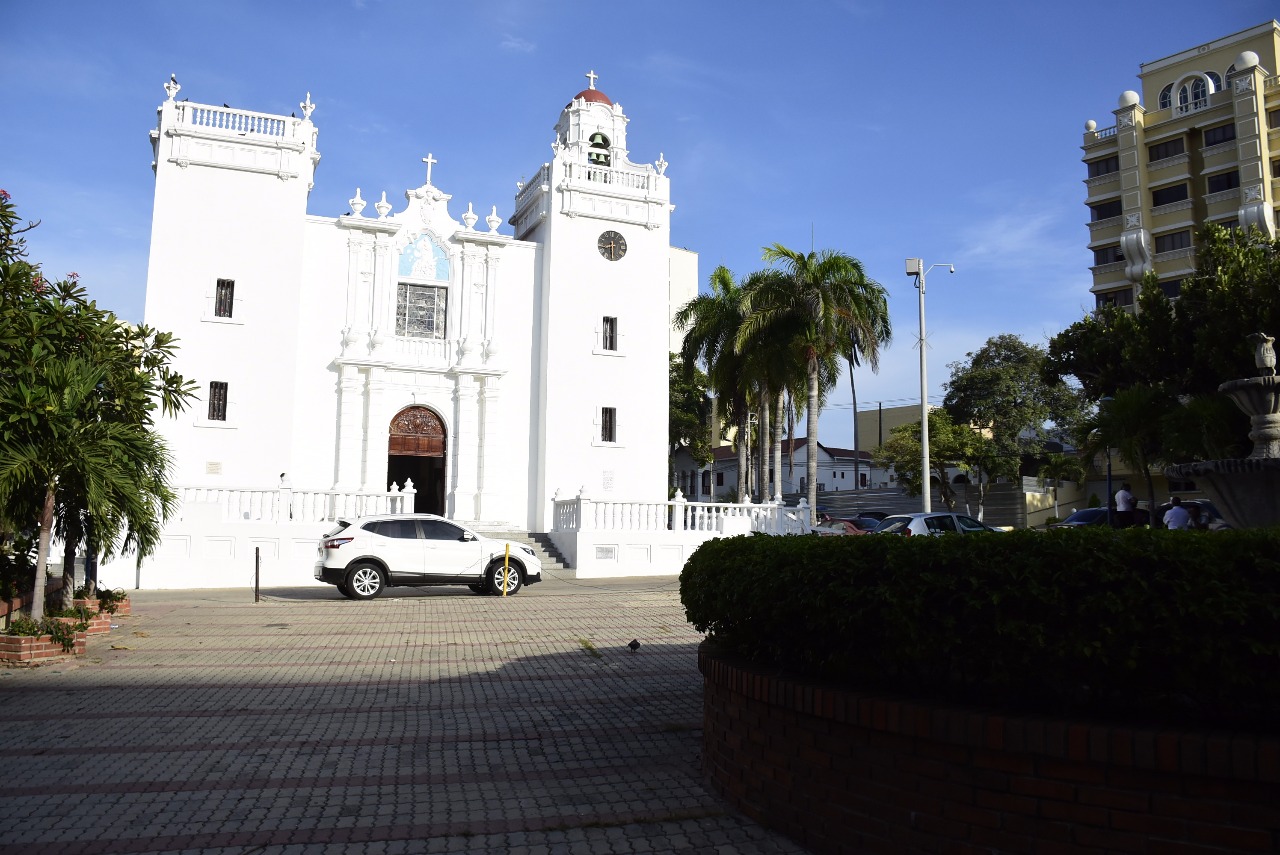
point(491, 363)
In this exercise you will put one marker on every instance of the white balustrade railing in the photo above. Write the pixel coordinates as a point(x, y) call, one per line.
point(234, 121)
point(542, 176)
point(584, 514)
point(285, 504)
point(624, 178)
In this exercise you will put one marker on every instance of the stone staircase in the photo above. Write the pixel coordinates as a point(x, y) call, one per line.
point(553, 563)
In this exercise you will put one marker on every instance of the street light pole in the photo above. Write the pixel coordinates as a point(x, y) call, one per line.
point(916, 268)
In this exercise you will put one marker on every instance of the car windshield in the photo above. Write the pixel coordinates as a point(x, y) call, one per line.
point(339, 526)
point(893, 525)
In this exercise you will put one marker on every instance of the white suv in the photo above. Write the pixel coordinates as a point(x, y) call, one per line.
point(363, 556)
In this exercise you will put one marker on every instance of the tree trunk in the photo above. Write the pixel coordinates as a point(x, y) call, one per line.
point(765, 441)
point(67, 594)
point(42, 555)
point(811, 446)
point(743, 464)
point(777, 448)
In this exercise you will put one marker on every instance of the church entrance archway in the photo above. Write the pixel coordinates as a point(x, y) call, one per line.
point(417, 449)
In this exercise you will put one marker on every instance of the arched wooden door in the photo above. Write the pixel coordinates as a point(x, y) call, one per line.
point(417, 447)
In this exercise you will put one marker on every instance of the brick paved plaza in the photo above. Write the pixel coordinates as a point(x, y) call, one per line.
point(425, 721)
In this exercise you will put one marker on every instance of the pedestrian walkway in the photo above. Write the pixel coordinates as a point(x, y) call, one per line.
point(424, 721)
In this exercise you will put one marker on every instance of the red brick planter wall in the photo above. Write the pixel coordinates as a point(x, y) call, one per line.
point(840, 771)
point(36, 648)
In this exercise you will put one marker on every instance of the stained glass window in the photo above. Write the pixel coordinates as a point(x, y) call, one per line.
point(420, 310)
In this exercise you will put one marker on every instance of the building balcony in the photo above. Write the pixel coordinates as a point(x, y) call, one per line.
point(1169, 168)
point(1103, 185)
point(1222, 201)
point(1105, 231)
point(1175, 262)
point(1100, 138)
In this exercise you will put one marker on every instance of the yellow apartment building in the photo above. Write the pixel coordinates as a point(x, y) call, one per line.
point(1200, 144)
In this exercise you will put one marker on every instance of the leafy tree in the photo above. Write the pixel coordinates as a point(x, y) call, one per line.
point(810, 303)
point(1002, 392)
point(866, 336)
point(78, 394)
point(1132, 423)
point(1001, 389)
point(950, 445)
point(1188, 346)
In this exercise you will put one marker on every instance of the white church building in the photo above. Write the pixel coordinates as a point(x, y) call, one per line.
point(399, 357)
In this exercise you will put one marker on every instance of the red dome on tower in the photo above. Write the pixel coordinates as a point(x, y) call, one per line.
point(592, 95)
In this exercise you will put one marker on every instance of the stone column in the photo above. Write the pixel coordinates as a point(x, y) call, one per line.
point(465, 444)
point(377, 439)
point(351, 413)
point(491, 453)
point(382, 294)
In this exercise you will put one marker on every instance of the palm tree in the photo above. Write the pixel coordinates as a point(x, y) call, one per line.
point(1058, 468)
point(115, 468)
point(811, 303)
point(711, 323)
point(870, 330)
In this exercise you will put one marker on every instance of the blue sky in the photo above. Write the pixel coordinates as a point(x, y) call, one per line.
point(941, 130)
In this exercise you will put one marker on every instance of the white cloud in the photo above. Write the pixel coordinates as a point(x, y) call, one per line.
point(517, 44)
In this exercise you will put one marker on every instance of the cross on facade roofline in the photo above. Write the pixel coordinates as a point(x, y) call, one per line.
point(592, 77)
point(429, 161)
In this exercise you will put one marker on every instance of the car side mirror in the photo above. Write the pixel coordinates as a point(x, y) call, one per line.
point(467, 537)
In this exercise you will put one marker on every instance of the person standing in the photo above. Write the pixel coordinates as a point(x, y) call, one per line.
point(1177, 517)
point(1124, 506)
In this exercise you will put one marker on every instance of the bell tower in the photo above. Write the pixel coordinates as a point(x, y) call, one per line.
point(603, 226)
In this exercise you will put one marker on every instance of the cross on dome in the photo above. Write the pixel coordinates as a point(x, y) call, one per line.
point(429, 161)
point(592, 77)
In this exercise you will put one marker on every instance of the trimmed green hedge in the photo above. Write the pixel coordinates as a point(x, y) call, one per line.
point(1183, 625)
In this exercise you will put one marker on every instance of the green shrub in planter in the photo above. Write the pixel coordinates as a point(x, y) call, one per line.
point(1185, 623)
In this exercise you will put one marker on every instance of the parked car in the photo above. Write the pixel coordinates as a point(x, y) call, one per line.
point(932, 523)
point(1098, 517)
point(1084, 516)
point(1210, 517)
point(366, 555)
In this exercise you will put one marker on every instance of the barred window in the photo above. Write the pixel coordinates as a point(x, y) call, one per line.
point(1220, 134)
point(609, 334)
point(1104, 166)
point(217, 401)
point(420, 310)
point(1223, 181)
point(1168, 148)
point(1173, 240)
point(224, 298)
point(1169, 195)
point(608, 424)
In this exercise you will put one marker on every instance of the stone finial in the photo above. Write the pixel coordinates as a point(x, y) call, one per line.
point(1264, 353)
point(661, 164)
point(430, 161)
point(307, 107)
point(357, 204)
point(172, 86)
point(469, 218)
point(493, 219)
point(383, 207)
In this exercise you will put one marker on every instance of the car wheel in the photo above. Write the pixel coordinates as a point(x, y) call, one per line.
point(345, 591)
point(365, 582)
point(479, 588)
point(498, 574)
